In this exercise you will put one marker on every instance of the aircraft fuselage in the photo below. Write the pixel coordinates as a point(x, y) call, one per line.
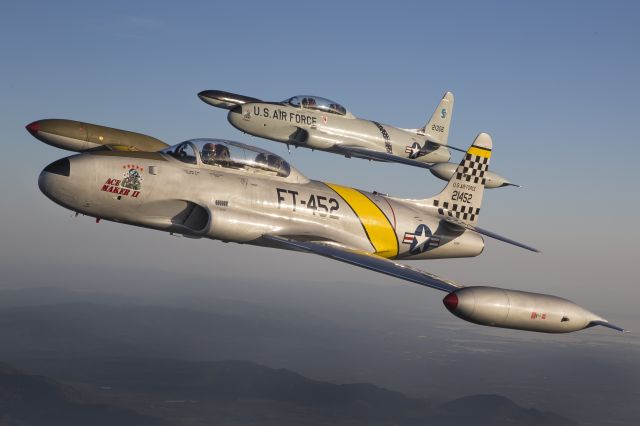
point(158, 191)
point(326, 131)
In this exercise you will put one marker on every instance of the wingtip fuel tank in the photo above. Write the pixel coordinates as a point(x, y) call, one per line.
point(224, 100)
point(78, 136)
point(520, 310)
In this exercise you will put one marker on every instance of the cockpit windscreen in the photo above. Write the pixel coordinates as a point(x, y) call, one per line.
point(317, 103)
point(229, 154)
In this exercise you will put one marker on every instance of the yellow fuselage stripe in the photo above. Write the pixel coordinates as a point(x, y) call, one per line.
point(481, 152)
point(375, 223)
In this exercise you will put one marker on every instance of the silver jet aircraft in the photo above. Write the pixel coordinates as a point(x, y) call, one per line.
point(229, 191)
point(318, 123)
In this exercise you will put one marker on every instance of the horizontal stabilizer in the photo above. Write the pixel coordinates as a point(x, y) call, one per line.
point(490, 234)
point(503, 239)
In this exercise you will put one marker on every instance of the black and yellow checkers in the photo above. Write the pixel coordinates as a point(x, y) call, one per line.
point(474, 165)
point(375, 223)
point(462, 197)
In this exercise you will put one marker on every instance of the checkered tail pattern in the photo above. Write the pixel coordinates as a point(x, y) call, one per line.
point(462, 197)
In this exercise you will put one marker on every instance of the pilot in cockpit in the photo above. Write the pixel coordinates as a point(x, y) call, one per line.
point(309, 103)
point(275, 162)
point(215, 154)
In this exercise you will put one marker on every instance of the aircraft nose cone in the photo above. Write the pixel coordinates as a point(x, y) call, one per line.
point(450, 301)
point(60, 167)
point(55, 183)
point(33, 128)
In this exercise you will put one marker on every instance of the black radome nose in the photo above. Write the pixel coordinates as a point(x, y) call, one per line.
point(60, 167)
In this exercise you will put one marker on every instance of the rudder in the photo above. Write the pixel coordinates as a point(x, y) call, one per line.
point(437, 128)
point(462, 197)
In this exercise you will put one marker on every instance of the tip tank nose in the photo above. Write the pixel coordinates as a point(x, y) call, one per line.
point(33, 128)
point(450, 301)
point(207, 95)
point(226, 100)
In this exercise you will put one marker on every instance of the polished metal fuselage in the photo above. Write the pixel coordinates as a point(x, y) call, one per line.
point(199, 200)
point(326, 131)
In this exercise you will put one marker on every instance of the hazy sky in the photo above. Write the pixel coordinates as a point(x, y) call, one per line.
point(554, 83)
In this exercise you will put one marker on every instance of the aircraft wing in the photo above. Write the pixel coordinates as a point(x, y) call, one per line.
point(367, 261)
point(369, 154)
point(447, 146)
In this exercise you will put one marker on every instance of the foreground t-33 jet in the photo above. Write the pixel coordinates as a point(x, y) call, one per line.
point(233, 192)
point(318, 123)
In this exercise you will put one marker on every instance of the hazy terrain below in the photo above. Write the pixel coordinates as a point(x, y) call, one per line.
point(591, 378)
point(134, 391)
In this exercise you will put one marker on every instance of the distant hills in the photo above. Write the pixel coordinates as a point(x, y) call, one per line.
point(28, 400)
point(173, 392)
point(126, 362)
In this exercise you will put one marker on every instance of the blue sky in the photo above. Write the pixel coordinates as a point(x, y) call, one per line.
point(554, 83)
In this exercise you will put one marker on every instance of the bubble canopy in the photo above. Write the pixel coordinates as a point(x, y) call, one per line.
point(229, 154)
point(316, 103)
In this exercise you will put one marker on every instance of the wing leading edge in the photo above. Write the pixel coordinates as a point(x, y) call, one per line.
point(369, 154)
point(367, 261)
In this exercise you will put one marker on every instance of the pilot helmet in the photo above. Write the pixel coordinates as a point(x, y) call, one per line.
point(208, 151)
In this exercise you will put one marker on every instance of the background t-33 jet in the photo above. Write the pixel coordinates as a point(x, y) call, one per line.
point(318, 123)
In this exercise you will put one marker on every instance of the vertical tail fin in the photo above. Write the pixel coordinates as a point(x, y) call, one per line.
point(462, 197)
point(437, 128)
